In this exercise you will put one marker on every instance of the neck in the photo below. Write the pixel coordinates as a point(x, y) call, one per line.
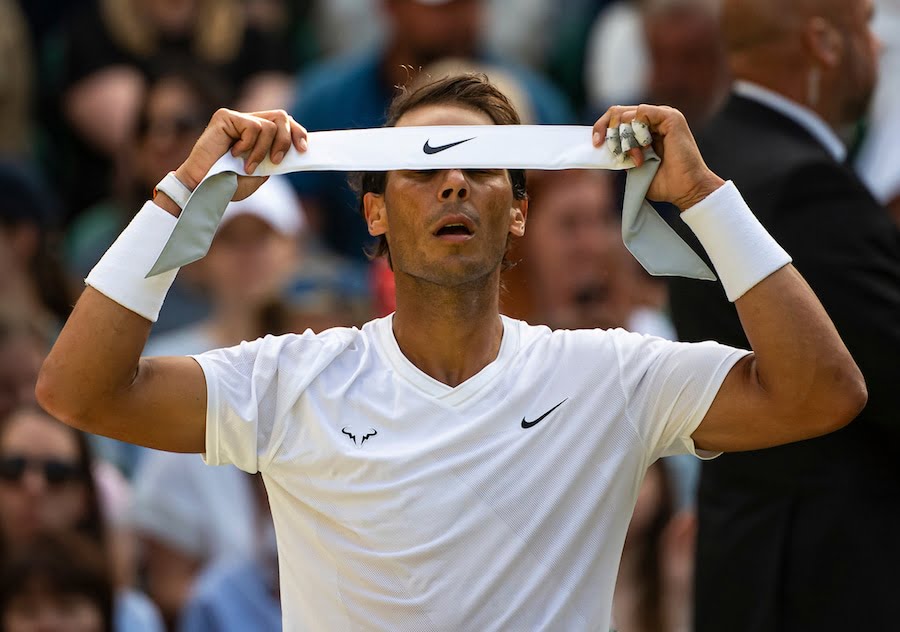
point(800, 87)
point(449, 333)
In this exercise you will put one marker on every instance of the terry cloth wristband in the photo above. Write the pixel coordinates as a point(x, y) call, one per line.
point(653, 242)
point(120, 273)
point(742, 251)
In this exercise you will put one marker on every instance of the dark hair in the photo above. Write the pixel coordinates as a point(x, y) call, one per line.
point(62, 564)
point(92, 525)
point(470, 90)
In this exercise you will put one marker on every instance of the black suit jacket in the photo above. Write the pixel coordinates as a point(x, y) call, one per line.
point(773, 510)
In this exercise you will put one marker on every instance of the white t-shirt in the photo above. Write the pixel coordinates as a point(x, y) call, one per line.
point(401, 503)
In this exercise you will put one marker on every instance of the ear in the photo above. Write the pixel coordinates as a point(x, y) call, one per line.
point(376, 216)
point(518, 212)
point(824, 42)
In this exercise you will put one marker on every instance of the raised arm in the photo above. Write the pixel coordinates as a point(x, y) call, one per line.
point(94, 378)
point(800, 381)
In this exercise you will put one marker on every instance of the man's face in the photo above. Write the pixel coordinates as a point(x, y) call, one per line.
point(859, 63)
point(450, 226)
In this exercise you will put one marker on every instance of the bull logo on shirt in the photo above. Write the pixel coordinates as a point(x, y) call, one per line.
point(358, 443)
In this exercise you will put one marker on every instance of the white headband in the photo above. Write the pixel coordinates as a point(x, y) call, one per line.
point(658, 248)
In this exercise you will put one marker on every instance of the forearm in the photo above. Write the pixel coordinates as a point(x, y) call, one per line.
point(96, 356)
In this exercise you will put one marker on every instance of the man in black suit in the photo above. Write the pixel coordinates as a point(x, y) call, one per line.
point(804, 536)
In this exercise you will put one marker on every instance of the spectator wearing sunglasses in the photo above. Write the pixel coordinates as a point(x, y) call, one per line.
point(47, 486)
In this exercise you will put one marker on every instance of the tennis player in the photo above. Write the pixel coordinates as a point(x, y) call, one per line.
point(446, 467)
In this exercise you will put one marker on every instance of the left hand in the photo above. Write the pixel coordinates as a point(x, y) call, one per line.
point(683, 178)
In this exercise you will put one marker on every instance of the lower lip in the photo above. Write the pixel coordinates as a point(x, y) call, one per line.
point(454, 239)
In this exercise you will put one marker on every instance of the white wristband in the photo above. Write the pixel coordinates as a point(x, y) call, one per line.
point(120, 273)
point(741, 250)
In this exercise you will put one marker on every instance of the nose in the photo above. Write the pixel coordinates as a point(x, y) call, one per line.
point(33, 482)
point(454, 186)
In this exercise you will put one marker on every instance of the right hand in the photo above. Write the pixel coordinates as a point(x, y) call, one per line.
point(252, 136)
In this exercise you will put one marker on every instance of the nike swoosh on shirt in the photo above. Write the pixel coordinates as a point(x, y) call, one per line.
point(428, 149)
point(529, 424)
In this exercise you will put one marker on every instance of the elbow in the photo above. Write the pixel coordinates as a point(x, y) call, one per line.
point(855, 396)
point(843, 400)
point(52, 395)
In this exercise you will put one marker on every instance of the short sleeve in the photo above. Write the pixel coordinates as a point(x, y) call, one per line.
point(669, 387)
point(252, 393)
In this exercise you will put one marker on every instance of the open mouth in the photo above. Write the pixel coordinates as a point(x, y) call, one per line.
point(454, 229)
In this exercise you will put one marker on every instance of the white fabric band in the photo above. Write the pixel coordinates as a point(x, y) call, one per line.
point(119, 275)
point(742, 251)
point(173, 187)
point(659, 249)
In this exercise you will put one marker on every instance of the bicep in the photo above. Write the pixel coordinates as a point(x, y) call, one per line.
point(744, 416)
point(164, 407)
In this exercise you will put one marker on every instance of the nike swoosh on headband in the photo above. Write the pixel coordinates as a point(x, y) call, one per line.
point(428, 149)
point(649, 238)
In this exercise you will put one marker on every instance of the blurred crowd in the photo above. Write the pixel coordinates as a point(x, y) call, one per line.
point(101, 98)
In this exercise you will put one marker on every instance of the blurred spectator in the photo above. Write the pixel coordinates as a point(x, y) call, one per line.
point(47, 486)
point(566, 54)
point(178, 103)
point(112, 47)
point(878, 160)
point(571, 267)
point(241, 594)
point(653, 585)
point(803, 536)
point(290, 21)
point(23, 347)
point(59, 583)
point(617, 63)
point(355, 92)
point(525, 39)
point(659, 51)
point(16, 76)
point(186, 517)
point(31, 277)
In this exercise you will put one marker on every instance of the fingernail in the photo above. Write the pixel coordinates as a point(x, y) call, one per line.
point(597, 139)
point(278, 157)
point(303, 144)
point(251, 167)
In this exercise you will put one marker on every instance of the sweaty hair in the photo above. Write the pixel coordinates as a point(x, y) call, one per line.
point(473, 91)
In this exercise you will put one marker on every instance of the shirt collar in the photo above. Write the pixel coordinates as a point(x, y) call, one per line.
point(803, 116)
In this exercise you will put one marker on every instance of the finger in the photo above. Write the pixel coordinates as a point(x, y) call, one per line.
point(610, 126)
point(642, 132)
point(626, 136)
point(281, 143)
point(299, 136)
point(613, 141)
point(246, 130)
point(263, 144)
